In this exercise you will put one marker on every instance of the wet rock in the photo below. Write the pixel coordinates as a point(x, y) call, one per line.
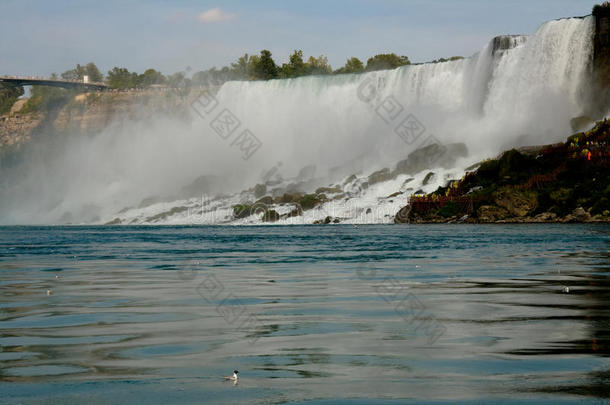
point(427, 179)
point(328, 190)
point(380, 176)
point(430, 156)
point(402, 216)
point(267, 200)
point(260, 190)
point(271, 216)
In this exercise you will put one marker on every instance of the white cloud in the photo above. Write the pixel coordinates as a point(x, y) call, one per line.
point(215, 15)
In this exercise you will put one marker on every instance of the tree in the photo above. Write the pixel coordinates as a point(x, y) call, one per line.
point(353, 65)
point(318, 66)
point(121, 78)
point(264, 67)
point(150, 77)
point(386, 61)
point(241, 67)
point(78, 73)
point(295, 67)
point(8, 95)
point(94, 73)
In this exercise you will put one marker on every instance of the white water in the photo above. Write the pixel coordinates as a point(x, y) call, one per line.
point(494, 100)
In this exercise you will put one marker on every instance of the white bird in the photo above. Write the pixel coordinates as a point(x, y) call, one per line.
point(49, 291)
point(566, 290)
point(233, 377)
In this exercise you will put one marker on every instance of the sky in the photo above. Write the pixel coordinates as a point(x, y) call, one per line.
point(39, 37)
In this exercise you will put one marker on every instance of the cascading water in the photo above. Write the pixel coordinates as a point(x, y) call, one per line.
point(518, 90)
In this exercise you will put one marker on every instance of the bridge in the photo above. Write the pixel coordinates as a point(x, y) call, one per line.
point(41, 81)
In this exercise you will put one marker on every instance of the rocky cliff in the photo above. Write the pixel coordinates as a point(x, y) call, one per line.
point(564, 182)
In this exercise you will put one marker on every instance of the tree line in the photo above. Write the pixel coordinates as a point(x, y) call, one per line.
point(247, 67)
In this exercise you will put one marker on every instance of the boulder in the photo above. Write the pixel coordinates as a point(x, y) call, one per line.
point(490, 213)
point(516, 202)
point(271, 216)
point(379, 176)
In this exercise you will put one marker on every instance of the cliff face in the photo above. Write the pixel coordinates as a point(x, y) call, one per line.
point(565, 182)
point(87, 113)
point(601, 59)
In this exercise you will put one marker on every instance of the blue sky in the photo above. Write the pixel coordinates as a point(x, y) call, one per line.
point(38, 37)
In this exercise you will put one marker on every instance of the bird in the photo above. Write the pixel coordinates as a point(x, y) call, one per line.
point(566, 290)
point(233, 377)
point(49, 292)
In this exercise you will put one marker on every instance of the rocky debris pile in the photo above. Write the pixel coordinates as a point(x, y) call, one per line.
point(565, 182)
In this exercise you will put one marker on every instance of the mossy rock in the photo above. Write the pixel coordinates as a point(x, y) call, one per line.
point(267, 200)
point(241, 211)
point(271, 216)
point(309, 201)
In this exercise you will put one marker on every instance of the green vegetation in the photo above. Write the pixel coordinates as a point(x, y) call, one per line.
point(451, 59)
point(353, 65)
point(386, 61)
point(45, 98)
point(602, 9)
point(79, 72)
point(8, 96)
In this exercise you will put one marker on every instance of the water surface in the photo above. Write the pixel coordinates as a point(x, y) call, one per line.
point(307, 314)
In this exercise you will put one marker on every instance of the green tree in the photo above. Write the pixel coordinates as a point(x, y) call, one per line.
point(386, 61)
point(45, 98)
point(150, 77)
point(121, 78)
point(318, 66)
point(295, 67)
point(353, 65)
point(264, 67)
point(241, 67)
point(8, 95)
point(94, 73)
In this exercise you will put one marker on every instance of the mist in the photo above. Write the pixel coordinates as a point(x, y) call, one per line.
point(496, 99)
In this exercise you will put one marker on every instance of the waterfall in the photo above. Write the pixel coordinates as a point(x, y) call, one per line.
point(517, 90)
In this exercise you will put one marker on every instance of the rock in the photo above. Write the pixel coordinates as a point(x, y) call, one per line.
point(430, 156)
point(489, 213)
point(271, 216)
point(329, 190)
point(427, 179)
point(267, 200)
point(241, 211)
point(368, 211)
point(166, 214)
point(350, 179)
point(328, 220)
point(336, 221)
point(115, 221)
point(379, 176)
point(518, 203)
point(260, 190)
point(581, 215)
point(581, 123)
point(394, 194)
point(545, 217)
point(309, 201)
point(402, 216)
